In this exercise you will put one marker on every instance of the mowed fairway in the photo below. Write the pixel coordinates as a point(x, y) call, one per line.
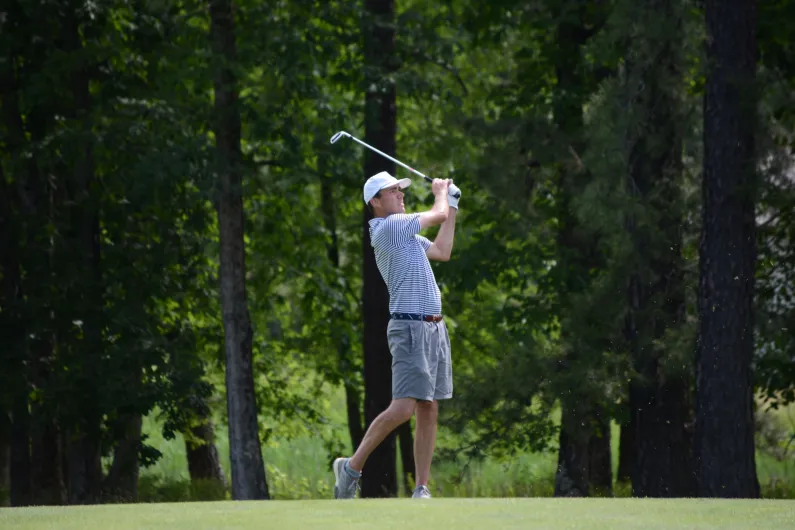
point(403, 514)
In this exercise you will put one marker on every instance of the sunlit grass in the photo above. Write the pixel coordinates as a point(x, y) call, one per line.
point(461, 514)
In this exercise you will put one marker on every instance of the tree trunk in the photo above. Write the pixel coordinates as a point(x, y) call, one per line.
point(84, 467)
point(600, 465)
point(21, 474)
point(15, 463)
point(659, 396)
point(84, 454)
point(5, 458)
point(248, 470)
point(353, 405)
point(121, 484)
point(406, 442)
point(571, 479)
point(663, 465)
point(581, 447)
point(584, 453)
point(47, 460)
point(200, 449)
point(379, 477)
point(9, 320)
point(15, 384)
point(724, 436)
point(203, 460)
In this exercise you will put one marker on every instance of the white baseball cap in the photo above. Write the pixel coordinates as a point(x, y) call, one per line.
point(380, 181)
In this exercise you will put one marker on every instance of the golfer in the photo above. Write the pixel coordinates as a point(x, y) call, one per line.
point(422, 371)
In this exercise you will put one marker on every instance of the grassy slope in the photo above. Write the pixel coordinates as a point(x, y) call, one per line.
point(460, 514)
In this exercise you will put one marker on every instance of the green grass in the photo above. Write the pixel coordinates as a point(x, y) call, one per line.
point(461, 514)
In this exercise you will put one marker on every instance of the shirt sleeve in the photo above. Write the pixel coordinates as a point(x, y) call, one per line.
point(400, 228)
point(424, 241)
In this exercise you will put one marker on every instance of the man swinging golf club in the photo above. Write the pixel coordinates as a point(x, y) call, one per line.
point(417, 335)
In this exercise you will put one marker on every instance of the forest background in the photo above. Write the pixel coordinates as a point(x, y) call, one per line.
point(190, 307)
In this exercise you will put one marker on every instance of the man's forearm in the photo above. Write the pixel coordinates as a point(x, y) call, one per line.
point(440, 204)
point(444, 239)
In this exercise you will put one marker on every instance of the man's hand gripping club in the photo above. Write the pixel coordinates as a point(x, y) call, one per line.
point(453, 195)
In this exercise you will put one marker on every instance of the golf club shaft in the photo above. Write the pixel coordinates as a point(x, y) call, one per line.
point(340, 134)
point(396, 161)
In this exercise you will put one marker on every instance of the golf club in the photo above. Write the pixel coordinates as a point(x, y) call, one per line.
point(343, 134)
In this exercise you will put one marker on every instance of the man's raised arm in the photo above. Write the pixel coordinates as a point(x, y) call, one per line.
point(439, 212)
point(442, 248)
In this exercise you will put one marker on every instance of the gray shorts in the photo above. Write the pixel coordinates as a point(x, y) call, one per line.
point(421, 364)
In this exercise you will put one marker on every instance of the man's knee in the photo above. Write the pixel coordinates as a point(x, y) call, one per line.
point(402, 409)
point(428, 408)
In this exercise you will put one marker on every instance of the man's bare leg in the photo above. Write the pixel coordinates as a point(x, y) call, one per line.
point(398, 412)
point(425, 439)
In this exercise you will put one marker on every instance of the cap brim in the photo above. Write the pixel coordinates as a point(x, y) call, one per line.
point(404, 183)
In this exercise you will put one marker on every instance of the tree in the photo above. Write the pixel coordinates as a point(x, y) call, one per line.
point(584, 441)
point(15, 390)
point(659, 390)
point(84, 449)
point(724, 432)
point(379, 478)
point(202, 454)
point(248, 472)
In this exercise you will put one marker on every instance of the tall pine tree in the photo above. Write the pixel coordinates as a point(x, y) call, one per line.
point(724, 436)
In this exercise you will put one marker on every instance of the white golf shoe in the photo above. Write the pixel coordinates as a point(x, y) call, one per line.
point(345, 485)
point(421, 492)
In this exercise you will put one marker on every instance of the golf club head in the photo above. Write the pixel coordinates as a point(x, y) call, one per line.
point(338, 136)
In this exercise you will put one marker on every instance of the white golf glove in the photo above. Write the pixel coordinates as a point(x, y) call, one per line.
point(453, 201)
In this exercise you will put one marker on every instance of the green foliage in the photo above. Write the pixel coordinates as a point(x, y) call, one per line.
point(298, 467)
point(775, 443)
point(775, 302)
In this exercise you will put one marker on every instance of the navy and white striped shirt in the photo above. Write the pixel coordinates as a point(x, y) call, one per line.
point(400, 256)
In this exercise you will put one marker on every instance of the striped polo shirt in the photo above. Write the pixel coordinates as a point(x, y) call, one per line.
point(400, 256)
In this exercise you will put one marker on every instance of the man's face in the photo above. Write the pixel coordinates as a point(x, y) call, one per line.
point(390, 201)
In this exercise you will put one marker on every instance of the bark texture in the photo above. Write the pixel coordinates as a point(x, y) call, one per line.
point(121, 484)
point(248, 470)
point(379, 475)
point(724, 436)
point(84, 465)
point(203, 460)
point(15, 390)
point(406, 444)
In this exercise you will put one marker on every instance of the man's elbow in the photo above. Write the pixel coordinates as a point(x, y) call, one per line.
point(433, 218)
